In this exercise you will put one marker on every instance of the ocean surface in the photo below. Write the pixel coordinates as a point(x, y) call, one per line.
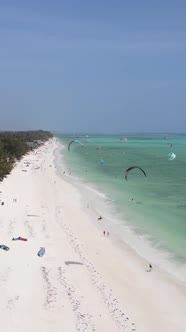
point(153, 206)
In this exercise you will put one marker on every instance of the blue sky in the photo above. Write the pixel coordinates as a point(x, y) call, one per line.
point(93, 66)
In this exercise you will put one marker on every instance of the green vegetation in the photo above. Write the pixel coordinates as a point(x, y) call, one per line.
point(13, 145)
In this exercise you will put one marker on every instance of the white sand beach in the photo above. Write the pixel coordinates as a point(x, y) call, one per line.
point(84, 281)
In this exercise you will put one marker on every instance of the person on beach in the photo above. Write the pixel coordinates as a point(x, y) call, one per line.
point(150, 268)
point(107, 233)
point(103, 233)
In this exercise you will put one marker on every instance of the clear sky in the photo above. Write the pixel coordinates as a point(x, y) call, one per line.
point(93, 65)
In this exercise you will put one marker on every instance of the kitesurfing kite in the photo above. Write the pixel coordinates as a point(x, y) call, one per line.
point(172, 156)
point(124, 139)
point(41, 252)
point(2, 246)
point(131, 168)
point(19, 238)
point(74, 141)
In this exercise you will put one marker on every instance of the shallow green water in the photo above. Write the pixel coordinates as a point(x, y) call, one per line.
point(159, 201)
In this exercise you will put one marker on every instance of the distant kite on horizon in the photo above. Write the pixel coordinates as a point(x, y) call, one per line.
point(124, 139)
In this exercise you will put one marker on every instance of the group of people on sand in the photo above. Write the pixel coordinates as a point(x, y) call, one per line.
point(106, 233)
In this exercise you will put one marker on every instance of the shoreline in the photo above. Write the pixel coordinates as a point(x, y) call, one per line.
point(126, 234)
point(85, 281)
point(121, 246)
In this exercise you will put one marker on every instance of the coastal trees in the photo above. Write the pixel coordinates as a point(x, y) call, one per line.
point(13, 145)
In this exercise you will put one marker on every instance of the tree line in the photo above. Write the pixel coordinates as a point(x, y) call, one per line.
point(13, 145)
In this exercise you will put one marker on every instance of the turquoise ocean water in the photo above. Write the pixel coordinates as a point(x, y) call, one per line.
point(158, 208)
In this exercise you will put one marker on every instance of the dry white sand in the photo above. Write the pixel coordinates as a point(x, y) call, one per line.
point(84, 282)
